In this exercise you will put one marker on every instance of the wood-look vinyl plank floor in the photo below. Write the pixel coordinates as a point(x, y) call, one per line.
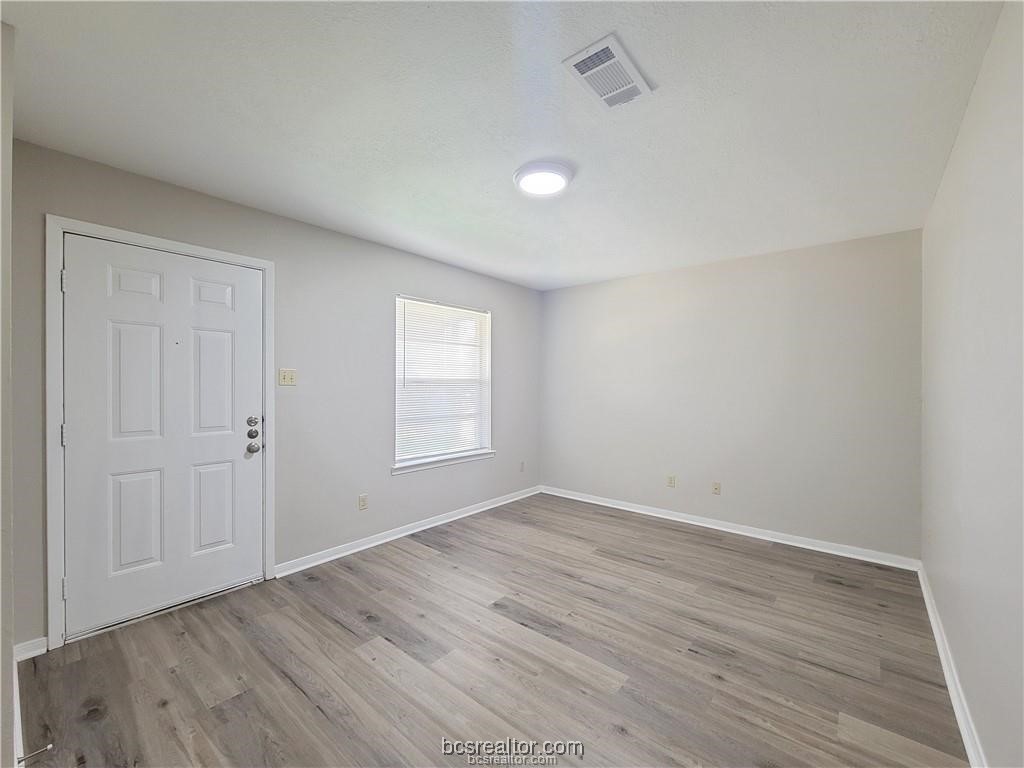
point(651, 641)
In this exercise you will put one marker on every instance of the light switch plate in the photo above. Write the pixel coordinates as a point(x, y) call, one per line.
point(286, 377)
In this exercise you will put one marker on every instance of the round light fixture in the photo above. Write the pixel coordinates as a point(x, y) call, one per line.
point(542, 178)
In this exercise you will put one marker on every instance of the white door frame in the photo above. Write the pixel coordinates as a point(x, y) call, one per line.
point(56, 228)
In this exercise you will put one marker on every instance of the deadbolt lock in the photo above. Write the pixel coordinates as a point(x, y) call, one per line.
point(253, 421)
point(253, 434)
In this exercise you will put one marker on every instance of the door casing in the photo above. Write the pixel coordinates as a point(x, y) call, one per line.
point(56, 228)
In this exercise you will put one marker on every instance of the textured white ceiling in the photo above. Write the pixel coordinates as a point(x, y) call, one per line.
point(771, 127)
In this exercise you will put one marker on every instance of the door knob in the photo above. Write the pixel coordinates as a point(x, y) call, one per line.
point(253, 434)
point(252, 421)
point(253, 447)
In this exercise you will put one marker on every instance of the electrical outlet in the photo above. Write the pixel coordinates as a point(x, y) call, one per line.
point(671, 481)
point(364, 501)
point(716, 489)
point(286, 377)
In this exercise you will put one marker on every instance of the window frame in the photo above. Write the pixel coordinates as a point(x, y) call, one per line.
point(418, 463)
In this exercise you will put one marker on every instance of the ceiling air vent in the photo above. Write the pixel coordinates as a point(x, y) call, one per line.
point(607, 70)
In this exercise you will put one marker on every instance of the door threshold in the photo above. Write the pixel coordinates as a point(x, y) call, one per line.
point(160, 611)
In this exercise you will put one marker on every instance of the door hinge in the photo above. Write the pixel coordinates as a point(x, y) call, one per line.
point(63, 281)
point(64, 587)
point(64, 435)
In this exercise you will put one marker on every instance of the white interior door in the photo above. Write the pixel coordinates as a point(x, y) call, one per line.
point(163, 365)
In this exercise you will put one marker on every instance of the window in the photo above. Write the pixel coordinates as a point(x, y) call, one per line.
point(442, 384)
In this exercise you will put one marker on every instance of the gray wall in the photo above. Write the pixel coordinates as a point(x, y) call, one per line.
point(793, 379)
point(335, 324)
point(6, 506)
point(972, 346)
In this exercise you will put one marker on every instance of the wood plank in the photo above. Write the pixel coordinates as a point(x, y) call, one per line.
point(651, 641)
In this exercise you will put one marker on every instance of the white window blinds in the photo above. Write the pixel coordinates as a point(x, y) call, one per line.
point(442, 381)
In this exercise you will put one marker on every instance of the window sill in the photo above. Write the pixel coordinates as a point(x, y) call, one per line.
point(415, 465)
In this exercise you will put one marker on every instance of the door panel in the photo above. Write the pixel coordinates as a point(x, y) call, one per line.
point(136, 520)
point(212, 385)
point(163, 362)
point(136, 373)
point(214, 499)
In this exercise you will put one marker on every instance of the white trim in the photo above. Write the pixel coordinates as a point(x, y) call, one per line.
point(54, 420)
point(843, 550)
point(318, 558)
point(29, 649)
point(969, 734)
point(269, 423)
point(56, 228)
point(415, 465)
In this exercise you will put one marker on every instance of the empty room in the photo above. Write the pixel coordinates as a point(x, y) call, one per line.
point(512, 384)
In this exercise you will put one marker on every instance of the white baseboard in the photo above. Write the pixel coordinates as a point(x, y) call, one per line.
point(29, 648)
point(19, 736)
point(844, 550)
point(301, 563)
point(23, 651)
point(972, 744)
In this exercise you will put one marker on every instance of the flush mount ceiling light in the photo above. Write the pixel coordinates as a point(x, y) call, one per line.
point(542, 178)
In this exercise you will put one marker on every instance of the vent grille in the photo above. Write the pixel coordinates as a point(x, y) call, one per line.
point(628, 94)
point(607, 80)
point(606, 69)
point(594, 60)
